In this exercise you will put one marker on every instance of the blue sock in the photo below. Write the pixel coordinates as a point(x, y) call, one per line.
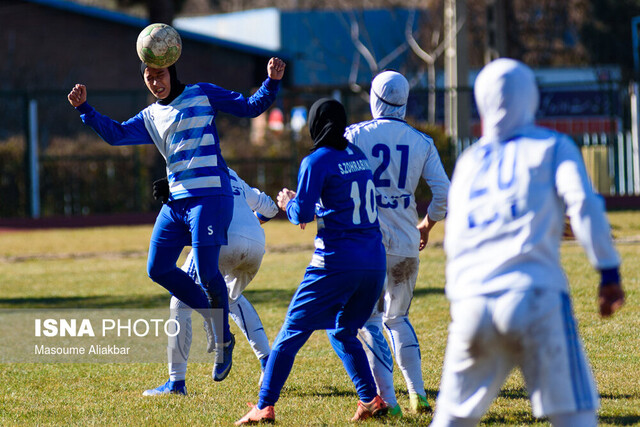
point(263, 362)
point(354, 359)
point(279, 364)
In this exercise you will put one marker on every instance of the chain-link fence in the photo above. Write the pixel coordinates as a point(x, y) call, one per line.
point(79, 174)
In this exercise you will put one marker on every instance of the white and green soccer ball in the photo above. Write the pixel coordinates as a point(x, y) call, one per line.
point(159, 45)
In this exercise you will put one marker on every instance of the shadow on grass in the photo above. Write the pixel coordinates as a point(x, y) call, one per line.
point(620, 420)
point(326, 391)
point(512, 417)
point(275, 297)
point(420, 292)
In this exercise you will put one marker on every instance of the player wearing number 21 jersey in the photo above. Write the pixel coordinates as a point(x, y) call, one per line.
point(400, 156)
point(346, 274)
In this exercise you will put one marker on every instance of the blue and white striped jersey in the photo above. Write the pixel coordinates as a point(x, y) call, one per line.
point(184, 132)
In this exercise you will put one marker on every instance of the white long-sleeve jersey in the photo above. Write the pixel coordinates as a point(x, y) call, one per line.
point(509, 194)
point(399, 155)
point(246, 201)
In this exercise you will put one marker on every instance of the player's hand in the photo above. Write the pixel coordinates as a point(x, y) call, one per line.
point(610, 299)
point(78, 95)
point(275, 68)
point(424, 228)
point(284, 196)
point(161, 190)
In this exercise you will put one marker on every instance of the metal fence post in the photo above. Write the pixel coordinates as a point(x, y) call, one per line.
point(634, 95)
point(33, 165)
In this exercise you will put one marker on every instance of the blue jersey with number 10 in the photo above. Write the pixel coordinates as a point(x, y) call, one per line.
point(336, 187)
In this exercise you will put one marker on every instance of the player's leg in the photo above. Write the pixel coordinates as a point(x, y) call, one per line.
point(167, 241)
point(279, 364)
point(162, 269)
point(283, 353)
point(380, 357)
point(315, 305)
point(553, 361)
point(209, 218)
point(177, 350)
point(246, 317)
point(353, 316)
point(475, 364)
point(239, 263)
point(402, 273)
point(366, 288)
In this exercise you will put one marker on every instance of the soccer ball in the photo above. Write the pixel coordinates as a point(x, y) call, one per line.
point(159, 45)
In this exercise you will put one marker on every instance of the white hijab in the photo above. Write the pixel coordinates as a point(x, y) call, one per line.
point(507, 98)
point(389, 94)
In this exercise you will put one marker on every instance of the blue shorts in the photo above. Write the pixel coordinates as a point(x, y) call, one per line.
point(332, 299)
point(194, 221)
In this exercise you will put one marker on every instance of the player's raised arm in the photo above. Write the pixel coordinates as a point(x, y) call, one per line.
point(78, 95)
point(275, 68)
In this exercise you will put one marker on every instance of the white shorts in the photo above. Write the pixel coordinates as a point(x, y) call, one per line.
point(534, 330)
point(239, 262)
point(402, 273)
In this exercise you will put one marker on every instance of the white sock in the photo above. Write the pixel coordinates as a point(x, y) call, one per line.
point(245, 316)
point(379, 357)
point(407, 351)
point(179, 345)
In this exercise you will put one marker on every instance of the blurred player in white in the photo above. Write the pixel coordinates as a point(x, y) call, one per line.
point(239, 263)
point(399, 156)
point(510, 303)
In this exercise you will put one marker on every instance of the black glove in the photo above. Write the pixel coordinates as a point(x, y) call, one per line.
point(161, 190)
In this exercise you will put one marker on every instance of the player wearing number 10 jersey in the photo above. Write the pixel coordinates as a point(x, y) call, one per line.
point(346, 274)
point(399, 156)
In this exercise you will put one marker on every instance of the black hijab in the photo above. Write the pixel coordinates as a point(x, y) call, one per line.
point(176, 85)
point(327, 122)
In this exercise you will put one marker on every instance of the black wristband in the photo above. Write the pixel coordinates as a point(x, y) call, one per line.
point(609, 276)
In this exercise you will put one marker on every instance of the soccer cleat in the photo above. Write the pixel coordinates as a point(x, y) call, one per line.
point(222, 367)
point(255, 415)
point(170, 387)
point(376, 408)
point(419, 404)
point(396, 411)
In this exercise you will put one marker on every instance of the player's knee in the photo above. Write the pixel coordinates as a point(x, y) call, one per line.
point(156, 271)
point(397, 322)
point(343, 334)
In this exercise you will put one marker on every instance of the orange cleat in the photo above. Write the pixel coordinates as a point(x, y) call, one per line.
point(376, 408)
point(255, 416)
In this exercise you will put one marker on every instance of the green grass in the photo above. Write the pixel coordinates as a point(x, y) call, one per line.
point(105, 268)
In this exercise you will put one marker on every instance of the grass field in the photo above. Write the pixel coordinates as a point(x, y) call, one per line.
point(105, 268)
